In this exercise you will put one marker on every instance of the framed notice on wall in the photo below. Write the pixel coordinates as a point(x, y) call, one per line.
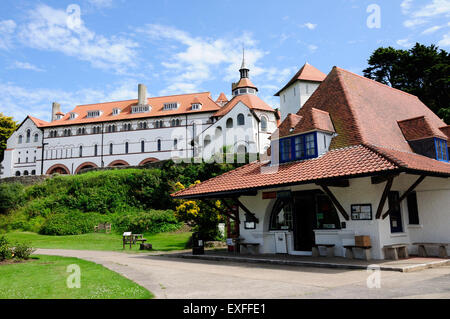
point(361, 211)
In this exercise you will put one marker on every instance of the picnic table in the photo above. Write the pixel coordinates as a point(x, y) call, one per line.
point(130, 238)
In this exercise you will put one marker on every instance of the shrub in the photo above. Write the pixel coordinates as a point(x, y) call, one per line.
point(11, 195)
point(153, 221)
point(22, 251)
point(70, 223)
point(5, 250)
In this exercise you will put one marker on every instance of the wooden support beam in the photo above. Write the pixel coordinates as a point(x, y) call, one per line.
point(234, 217)
point(405, 194)
point(384, 196)
point(335, 202)
point(248, 213)
point(335, 183)
point(381, 179)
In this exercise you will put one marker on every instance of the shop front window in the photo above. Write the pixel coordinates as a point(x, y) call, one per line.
point(281, 217)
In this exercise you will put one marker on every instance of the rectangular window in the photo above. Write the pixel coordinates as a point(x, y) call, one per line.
point(396, 214)
point(286, 150)
point(299, 147)
point(413, 211)
point(310, 145)
point(441, 149)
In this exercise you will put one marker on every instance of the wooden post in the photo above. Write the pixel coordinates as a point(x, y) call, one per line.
point(335, 202)
point(384, 196)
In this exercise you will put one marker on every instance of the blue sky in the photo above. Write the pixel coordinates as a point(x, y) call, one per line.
point(88, 51)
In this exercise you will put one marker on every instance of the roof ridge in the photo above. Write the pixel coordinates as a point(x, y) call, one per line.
point(378, 83)
point(412, 118)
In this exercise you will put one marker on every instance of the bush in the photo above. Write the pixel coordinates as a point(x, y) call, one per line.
point(22, 251)
point(71, 223)
point(11, 195)
point(153, 221)
point(5, 250)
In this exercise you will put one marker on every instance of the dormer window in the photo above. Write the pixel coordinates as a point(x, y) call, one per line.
point(441, 149)
point(72, 115)
point(298, 147)
point(116, 111)
point(140, 108)
point(171, 106)
point(196, 106)
point(91, 114)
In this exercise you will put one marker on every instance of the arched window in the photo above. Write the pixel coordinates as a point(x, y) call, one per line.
point(142, 146)
point(25, 173)
point(28, 135)
point(126, 147)
point(178, 122)
point(81, 151)
point(111, 149)
point(229, 123)
point(207, 140)
point(20, 140)
point(175, 144)
point(36, 137)
point(95, 150)
point(172, 123)
point(159, 145)
point(240, 119)
point(242, 149)
point(281, 217)
point(17, 173)
point(33, 172)
point(218, 132)
point(263, 123)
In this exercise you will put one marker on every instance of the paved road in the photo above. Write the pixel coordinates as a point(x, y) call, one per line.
point(169, 277)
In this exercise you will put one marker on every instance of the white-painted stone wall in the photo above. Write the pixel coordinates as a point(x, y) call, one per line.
point(433, 196)
point(293, 97)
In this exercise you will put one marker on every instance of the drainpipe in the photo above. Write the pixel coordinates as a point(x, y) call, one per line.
point(101, 156)
point(42, 154)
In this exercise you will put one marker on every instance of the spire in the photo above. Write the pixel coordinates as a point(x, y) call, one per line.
point(243, 70)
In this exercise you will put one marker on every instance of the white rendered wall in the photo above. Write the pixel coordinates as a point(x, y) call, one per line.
point(294, 96)
point(434, 214)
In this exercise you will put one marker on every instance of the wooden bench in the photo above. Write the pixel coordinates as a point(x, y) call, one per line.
point(349, 253)
point(395, 251)
point(129, 238)
point(442, 249)
point(239, 242)
point(103, 226)
point(316, 251)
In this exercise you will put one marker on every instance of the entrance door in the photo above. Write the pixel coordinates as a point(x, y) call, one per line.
point(303, 217)
point(396, 215)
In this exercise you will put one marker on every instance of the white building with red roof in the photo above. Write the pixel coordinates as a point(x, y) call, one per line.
point(358, 158)
point(147, 129)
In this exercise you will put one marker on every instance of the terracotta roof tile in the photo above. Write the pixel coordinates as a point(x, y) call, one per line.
point(306, 73)
point(287, 126)
point(222, 98)
point(38, 122)
point(419, 128)
point(345, 162)
point(446, 130)
point(157, 104)
point(250, 100)
point(245, 83)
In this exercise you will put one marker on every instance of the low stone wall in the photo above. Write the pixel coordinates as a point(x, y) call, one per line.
point(157, 164)
point(25, 180)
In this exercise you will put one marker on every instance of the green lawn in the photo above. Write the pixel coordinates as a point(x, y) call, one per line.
point(45, 277)
point(100, 241)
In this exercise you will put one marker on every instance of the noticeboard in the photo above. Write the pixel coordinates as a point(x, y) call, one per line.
point(361, 211)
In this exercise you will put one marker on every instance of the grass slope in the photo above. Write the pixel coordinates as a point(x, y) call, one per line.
point(100, 241)
point(44, 277)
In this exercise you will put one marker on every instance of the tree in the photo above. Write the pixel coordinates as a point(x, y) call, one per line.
point(423, 71)
point(7, 127)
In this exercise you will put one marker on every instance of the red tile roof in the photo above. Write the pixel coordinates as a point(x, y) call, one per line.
point(37, 122)
point(354, 161)
point(287, 126)
point(252, 101)
point(306, 73)
point(313, 120)
point(157, 104)
point(419, 128)
point(245, 83)
point(222, 98)
point(364, 111)
point(446, 130)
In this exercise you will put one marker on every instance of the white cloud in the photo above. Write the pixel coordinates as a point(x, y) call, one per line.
point(425, 13)
point(404, 43)
point(25, 66)
point(414, 22)
point(432, 29)
point(312, 48)
point(56, 30)
point(19, 101)
point(7, 28)
point(201, 58)
point(310, 25)
point(445, 41)
point(406, 6)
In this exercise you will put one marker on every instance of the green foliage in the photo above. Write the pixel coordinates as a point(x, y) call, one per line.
point(5, 249)
point(422, 70)
point(11, 195)
point(22, 251)
point(153, 221)
point(70, 223)
point(7, 127)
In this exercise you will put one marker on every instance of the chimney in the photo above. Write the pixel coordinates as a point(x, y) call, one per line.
point(142, 94)
point(56, 108)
